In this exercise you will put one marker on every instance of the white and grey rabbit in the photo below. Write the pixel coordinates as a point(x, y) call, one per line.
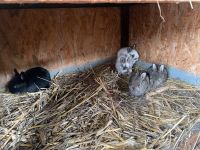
point(122, 66)
point(158, 75)
point(126, 58)
point(139, 83)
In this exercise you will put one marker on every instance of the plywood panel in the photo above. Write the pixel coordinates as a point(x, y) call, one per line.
point(56, 37)
point(174, 42)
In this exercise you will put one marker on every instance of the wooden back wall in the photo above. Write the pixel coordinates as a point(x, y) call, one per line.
point(175, 42)
point(54, 38)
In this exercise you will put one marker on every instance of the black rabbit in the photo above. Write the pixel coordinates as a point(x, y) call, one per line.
point(31, 80)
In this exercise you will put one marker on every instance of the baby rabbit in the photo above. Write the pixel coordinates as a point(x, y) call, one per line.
point(158, 75)
point(122, 65)
point(30, 81)
point(126, 58)
point(139, 83)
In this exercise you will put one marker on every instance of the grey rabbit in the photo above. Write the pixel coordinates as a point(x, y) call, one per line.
point(139, 83)
point(158, 75)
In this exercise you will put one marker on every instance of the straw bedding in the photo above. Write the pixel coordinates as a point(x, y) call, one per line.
point(92, 110)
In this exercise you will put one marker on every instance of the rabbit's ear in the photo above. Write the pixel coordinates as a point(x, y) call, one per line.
point(16, 72)
point(133, 46)
point(154, 67)
point(22, 75)
point(161, 68)
point(143, 75)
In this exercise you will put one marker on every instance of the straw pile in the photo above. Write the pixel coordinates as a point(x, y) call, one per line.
point(93, 110)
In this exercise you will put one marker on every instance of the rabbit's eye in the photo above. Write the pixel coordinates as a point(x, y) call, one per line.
point(122, 60)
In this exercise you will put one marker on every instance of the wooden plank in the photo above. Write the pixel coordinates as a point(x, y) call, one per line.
point(91, 1)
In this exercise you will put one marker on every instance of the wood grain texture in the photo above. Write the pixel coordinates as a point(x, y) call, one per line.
point(91, 1)
point(55, 38)
point(174, 42)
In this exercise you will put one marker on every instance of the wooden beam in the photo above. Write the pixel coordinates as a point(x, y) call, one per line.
point(90, 1)
point(124, 23)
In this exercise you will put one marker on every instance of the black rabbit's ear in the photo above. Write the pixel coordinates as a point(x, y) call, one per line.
point(16, 72)
point(22, 75)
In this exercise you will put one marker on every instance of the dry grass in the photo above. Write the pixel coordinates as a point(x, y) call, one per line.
point(92, 110)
